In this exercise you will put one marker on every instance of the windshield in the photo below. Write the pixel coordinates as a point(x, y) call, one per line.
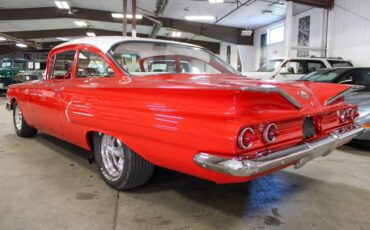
point(322, 76)
point(143, 58)
point(270, 66)
point(6, 64)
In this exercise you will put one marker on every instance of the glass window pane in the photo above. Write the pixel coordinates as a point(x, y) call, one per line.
point(143, 58)
point(90, 64)
point(340, 63)
point(315, 65)
point(276, 34)
point(61, 67)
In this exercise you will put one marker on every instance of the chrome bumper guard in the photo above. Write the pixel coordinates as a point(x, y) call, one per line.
point(298, 155)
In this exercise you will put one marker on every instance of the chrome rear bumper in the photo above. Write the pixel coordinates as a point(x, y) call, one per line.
point(298, 155)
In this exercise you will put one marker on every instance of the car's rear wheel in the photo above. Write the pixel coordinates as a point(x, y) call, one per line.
point(22, 129)
point(119, 166)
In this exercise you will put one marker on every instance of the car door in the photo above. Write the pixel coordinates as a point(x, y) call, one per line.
point(92, 70)
point(44, 100)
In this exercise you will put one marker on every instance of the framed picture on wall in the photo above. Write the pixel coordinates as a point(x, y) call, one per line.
point(304, 35)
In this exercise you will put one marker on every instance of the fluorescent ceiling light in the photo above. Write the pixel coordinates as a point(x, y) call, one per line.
point(176, 34)
point(91, 34)
point(62, 5)
point(21, 45)
point(129, 16)
point(2, 38)
point(200, 18)
point(215, 1)
point(80, 23)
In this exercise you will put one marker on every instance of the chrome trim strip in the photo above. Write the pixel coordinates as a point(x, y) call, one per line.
point(266, 88)
point(298, 155)
point(66, 111)
point(342, 94)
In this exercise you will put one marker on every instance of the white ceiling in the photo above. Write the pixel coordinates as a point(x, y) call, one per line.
point(249, 16)
point(67, 23)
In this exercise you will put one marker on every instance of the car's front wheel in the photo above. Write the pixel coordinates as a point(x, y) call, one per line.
point(118, 165)
point(22, 129)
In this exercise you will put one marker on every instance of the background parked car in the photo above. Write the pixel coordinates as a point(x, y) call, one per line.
point(354, 76)
point(9, 68)
point(287, 69)
point(29, 75)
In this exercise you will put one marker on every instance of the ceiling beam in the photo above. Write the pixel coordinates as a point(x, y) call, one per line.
point(223, 33)
point(213, 46)
point(160, 6)
point(327, 4)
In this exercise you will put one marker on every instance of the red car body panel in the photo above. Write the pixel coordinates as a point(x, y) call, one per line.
point(167, 119)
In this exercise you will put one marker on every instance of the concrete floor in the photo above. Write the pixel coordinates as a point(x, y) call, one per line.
point(46, 183)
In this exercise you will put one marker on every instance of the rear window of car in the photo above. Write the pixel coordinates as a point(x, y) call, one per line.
point(337, 63)
point(321, 76)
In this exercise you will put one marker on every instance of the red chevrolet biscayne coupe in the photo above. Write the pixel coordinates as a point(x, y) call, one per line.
point(136, 103)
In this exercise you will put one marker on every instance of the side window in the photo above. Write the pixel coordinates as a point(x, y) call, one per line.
point(61, 66)
point(90, 64)
point(335, 64)
point(362, 77)
point(315, 65)
point(294, 67)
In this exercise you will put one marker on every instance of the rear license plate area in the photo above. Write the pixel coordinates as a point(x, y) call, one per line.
point(308, 128)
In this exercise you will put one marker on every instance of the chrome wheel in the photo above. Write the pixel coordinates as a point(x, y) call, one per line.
point(18, 118)
point(112, 155)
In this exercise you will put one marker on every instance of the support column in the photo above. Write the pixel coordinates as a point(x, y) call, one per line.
point(288, 28)
point(133, 30)
point(124, 18)
point(330, 32)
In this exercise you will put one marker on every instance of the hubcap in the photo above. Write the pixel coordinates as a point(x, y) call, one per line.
point(113, 155)
point(18, 118)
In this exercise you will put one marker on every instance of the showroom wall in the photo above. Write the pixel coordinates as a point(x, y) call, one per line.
point(317, 36)
point(349, 31)
point(348, 34)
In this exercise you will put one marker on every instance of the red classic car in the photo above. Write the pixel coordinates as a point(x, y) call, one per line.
point(135, 103)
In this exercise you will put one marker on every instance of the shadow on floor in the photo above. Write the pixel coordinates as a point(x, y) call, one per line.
point(360, 148)
point(68, 150)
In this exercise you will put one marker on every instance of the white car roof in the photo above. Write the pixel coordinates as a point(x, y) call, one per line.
point(105, 43)
point(308, 58)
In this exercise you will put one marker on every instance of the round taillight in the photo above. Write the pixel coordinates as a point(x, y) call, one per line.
point(355, 114)
point(246, 138)
point(348, 115)
point(270, 133)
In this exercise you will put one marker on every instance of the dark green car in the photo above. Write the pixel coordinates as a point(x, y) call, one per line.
point(8, 69)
